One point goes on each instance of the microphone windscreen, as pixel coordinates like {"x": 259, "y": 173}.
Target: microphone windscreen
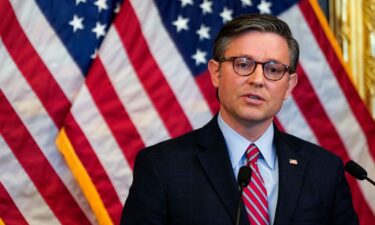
{"x": 355, "y": 170}
{"x": 244, "y": 176}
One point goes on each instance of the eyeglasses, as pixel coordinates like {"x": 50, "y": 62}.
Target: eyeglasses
{"x": 245, "y": 66}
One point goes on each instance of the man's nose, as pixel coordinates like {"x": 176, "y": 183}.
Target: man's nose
{"x": 257, "y": 77}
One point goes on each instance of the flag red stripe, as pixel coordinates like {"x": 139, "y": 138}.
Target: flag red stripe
{"x": 365, "y": 215}
{"x": 204, "y": 83}
{"x": 37, "y": 167}
{"x": 114, "y": 112}
{"x": 94, "y": 168}
{"x": 149, "y": 73}
{"x": 32, "y": 67}
{"x": 279, "y": 125}
{"x": 8, "y": 210}
{"x": 356, "y": 104}
{"x": 310, "y": 106}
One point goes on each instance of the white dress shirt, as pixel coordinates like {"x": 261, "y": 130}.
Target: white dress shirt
{"x": 267, "y": 162}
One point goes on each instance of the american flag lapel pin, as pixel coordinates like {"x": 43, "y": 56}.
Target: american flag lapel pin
{"x": 293, "y": 161}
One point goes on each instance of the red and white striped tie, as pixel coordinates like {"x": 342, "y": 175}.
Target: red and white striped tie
{"x": 255, "y": 194}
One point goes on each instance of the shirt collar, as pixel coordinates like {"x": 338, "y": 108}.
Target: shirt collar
{"x": 238, "y": 144}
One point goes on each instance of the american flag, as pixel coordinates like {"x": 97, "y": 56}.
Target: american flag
{"x": 73, "y": 115}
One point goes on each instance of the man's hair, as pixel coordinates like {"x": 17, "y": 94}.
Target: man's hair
{"x": 256, "y": 22}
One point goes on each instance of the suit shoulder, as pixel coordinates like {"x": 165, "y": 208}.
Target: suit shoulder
{"x": 309, "y": 149}
{"x": 177, "y": 144}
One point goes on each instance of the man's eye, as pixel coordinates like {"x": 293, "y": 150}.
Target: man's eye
{"x": 275, "y": 69}
{"x": 243, "y": 65}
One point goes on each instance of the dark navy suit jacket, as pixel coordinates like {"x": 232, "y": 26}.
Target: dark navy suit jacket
{"x": 189, "y": 180}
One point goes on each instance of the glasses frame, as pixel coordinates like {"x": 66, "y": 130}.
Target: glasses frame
{"x": 233, "y": 58}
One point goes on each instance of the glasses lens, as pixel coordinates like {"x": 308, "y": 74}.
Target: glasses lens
{"x": 274, "y": 70}
{"x": 243, "y": 66}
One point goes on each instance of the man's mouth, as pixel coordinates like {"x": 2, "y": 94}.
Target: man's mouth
{"x": 254, "y": 97}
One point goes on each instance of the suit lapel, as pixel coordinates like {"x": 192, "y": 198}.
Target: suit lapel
{"x": 217, "y": 166}
{"x": 291, "y": 171}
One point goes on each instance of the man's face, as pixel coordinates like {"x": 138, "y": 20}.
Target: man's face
{"x": 249, "y": 100}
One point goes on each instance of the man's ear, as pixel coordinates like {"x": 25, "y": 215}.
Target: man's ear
{"x": 214, "y": 69}
{"x": 292, "y": 83}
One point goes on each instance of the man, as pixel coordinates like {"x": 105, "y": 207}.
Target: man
{"x": 192, "y": 179}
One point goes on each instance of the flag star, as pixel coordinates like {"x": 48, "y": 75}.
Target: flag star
{"x": 102, "y": 4}
{"x": 79, "y": 1}
{"x": 206, "y": 6}
{"x": 186, "y": 2}
{"x": 226, "y": 14}
{"x": 199, "y": 57}
{"x": 246, "y": 3}
{"x": 203, "y": 32}
{"x": 117, "y": 8}
{"x": 95, "y": 54}
{"x": 181, "y": 23}
{"x": 76, "y": 23}
{"x": 265, "y": 7}
{"x": 99, "y": 29}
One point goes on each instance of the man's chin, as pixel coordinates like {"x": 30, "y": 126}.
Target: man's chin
{"x": 254, "y": 119}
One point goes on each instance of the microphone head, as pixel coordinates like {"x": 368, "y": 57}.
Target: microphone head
{"x": 244, "y": 176}
{"x": 355, "y": 170}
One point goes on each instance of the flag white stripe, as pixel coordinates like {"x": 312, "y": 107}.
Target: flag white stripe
{"x": 172, "y": 64}
{"x": 332, "y": 98}
{"x": 16, "y": 181}
{"x": 37, "y": 122}
{"x": 49, "y": 47}
{"x": 103, "y": 143}
{"x": 129, "y": 88}
{"x": 294, "y": 122}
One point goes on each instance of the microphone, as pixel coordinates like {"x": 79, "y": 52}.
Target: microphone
{"x": 357, "y": 171}
{"x": 243, "y": 180}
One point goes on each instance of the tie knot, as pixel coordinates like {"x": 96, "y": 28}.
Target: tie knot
{"x": 252, "y": 153}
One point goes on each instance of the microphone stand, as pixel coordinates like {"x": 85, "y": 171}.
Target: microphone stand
{"x": 244, "y": 176}
{"x": 239, "y": 207}
{"x": 371, "y": 181}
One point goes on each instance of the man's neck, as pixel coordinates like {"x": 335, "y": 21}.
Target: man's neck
{"x": 251, "y": 130}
